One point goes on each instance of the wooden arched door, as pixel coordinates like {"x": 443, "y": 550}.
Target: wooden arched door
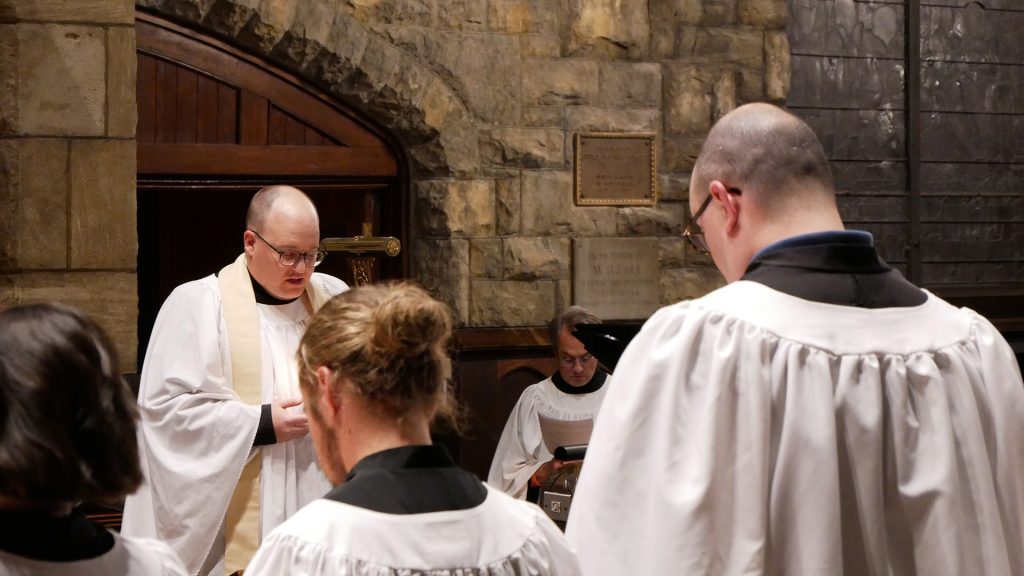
{"x": 215, "y": 125}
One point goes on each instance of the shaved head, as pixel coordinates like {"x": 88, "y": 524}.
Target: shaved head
{"x": 263, "y": 204}
{"x": 772, "y": 153}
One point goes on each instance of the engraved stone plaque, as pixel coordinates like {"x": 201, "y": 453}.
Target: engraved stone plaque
{"x": 615, "y": 169}
{"x": 616, "y": 278}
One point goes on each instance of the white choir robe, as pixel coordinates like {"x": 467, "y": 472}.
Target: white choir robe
{"x": 128, "y": 557}
{"x": 500, "y": 537}
{"x": 521, "y": 449}
{"x": 195, "y": 434}
{"x": 760, "y": 433}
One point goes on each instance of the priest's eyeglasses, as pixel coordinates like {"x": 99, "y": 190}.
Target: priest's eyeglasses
{"x": 291, "y": 257}
{"x": 696, "y": 235}
{"x": 570, "y": 361}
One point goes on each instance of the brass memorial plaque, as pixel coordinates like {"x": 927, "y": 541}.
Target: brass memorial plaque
{"x": 615, "y": 169}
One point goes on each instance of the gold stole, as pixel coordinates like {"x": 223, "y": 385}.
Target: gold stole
{"x": 242, "y": 522}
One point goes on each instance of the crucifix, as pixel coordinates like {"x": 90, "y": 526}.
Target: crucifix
{"x": 362, "y": 251}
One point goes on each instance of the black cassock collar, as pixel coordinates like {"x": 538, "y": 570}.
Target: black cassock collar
{"x": 410, "y": 480}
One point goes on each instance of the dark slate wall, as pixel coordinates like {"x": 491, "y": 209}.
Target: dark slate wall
{"x": 849, "y": 66}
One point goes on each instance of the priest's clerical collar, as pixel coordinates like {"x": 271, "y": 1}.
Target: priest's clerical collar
{"x": 593, "y": 386}
{"x": 850, "y": 237}
{"x": 264, "y": 297}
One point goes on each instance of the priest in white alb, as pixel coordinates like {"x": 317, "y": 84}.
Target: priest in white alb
{"x": 554, "y": 412}
{"x": 818, "y": 415}
{"x": 223, "y": 436}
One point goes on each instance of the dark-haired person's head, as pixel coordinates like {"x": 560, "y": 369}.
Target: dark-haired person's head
{"x": 761, "y": 176}
{"x": 67, "y": 417}
{"x": 377, "y": 352}
{"x": 575, "y": 364}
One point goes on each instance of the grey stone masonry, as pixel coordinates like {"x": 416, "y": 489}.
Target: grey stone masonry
{"x": 483, "y": 97}
{"x": 67, "y": 160}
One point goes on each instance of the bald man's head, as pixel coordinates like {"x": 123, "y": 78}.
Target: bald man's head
{"x": 263, "y": 204}
{"x": 281, "y": 220}
{"x": 764, "y": 149}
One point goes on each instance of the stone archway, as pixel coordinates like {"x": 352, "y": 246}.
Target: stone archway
{"x": 335, "y": 52}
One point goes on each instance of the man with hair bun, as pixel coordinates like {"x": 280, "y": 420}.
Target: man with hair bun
{"x": 818, "y": 415}
{"x": 224, "y": 439}
{"x": 67, "y": 435}
{"x": 375, "y": 372}
{"x": 524, "y": 457}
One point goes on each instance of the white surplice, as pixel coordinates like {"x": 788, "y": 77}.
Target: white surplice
{"x": 759, "y": 433}
{"x": 128, "y": 557}
{"x": 500, "y": 537}
{"x": 195, "y": 434}
{"x": 521, "y": 449}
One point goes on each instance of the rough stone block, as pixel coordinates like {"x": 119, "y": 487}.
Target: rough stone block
{"x": 507, "y": 201}
{"x": 61, "y": 71}
{"x": 777, "y": 66}
{"x": 665, "y": 219}
{"x": 373, "y": 72}
{"x": 548, "y": 208}
{"x": 39, "y": 215}
{"x": 122, "y": 113}
{"x": 563, "y": 297}
{"x": 751, "y": 84}
{"x": 688, "y": 283}
{"x": 91, "y": 11}
{"x": 8, "y": 79}
{"x": 523, "y": 147}
{"x": 226, "y": 18}
{"x": 688, "y": 102}
{"x": 540, "y": 46}
{"x": 513, "y": 16}
{"x": 463, "y": 208}
{"x": 763, "y": 13}
{"x": 537, "y": 258}
{"x": 680, "y": 152}
{"x": 672, "y": 251}
{"x": 103, "y": 232}
{"x": 484, "y": 70}
{"x": 718, "y": 12}
{"x": 592, "y": 119}
{"x": 608, "y": 28}
{"x": 509, "y": 303}
{"x": 666, "y": 16}
{"x": 8, "y": 204}
{"x": 310, "y": 31}
{"x": 109, "y": 298}
{"x": 743, "y": 46}
{"x": 344, "y": 49}
{"x": 442, "y": 267}
{"x": 673, "y": 187}
{"x": 538, "y": 116}
{"x": 415, "y": 12}
{"x": 561, "y": 82}
{"x": 463, "y": 14}
{"x": 485, "y": 258}
{"x": 630, "y": 84}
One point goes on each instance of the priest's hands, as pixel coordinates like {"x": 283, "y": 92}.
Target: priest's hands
{"x": 288, "y": 425}
{"x": 546, "y": 469}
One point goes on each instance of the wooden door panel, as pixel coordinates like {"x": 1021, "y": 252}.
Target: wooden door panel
{"x": 216, "y": 125}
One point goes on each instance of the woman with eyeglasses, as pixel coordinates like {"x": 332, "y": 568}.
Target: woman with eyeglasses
{"x": 375, "y": 372}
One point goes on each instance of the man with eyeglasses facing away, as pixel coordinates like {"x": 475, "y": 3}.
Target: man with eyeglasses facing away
{"x": 564, "y": 405}
{"x": 817, "y": 415}
{"x": 223, "y": 436}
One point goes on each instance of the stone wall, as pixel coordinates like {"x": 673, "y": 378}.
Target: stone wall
{"x": 484, "y": 95}
{"x": 67, "y": 159}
